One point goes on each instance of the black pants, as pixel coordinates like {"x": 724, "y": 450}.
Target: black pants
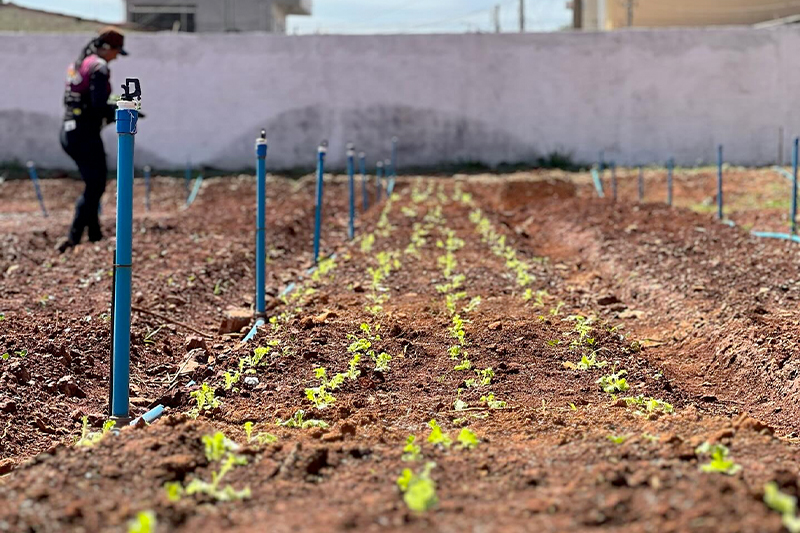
{"x": 85, "y": 147}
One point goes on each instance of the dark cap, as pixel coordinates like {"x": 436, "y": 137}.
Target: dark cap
{"x": 113, "y": 38}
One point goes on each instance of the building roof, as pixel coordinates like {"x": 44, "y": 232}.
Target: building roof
{"x": 18, "y": 18}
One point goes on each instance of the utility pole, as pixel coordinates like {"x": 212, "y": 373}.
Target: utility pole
{"x": 630, "y": 5}
{"x": 496, "y": 17}
{"x": 522, "y": 16}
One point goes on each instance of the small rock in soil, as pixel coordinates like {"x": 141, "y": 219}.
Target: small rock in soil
{"x": 67, "y": 386}
{"x": 496, "y": 326}
{"x": 194, "y": 343}
{"x": 251, "y": 381}
{"x": 324, "y": 317}
{"x": 8, "y": 406}
{"x": 20, "y": 372}
{"x": 6, "y": 466}
{"x": 235, "y": 320}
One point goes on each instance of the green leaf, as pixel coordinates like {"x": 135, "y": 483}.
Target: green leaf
{"x": 145, "y": 522}
{"x": 437, "y": 436}
{"x": 467, "y": 439}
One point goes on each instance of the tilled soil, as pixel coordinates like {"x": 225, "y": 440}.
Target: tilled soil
{"x": 697, "y": 314}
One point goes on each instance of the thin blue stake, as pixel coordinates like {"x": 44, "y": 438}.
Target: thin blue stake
{"x": 362, "y": 163}
{"x": 720, "y": 203}
{"x": 378, "y": 181}
{"x": 795, "y": 157}
{"x": 641, "y": 185}
{"x": 614, "y": 180}
{"x": 387, "y": 169}
{"x": 126, "y": 118}
{"x": 35, "y": 179}
{"x": 670, "y": 169}
{"x": 351, "y": 170}
{"x": 147, "y": 172}
{"x": 195, "y": 190}
{"x": 187, "y": 177}
{"x": 323, "y": 148}
{"x": 261, "y": 223}
{"x": 393, "y": 179}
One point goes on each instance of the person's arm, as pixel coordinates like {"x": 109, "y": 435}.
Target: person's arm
{"x": 99, "y": 92}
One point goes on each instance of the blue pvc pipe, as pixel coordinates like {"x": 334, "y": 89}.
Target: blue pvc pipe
{"x": 782, "y": 236}
{"x": 195, "y": 190}
{"x": 598, "y": 183}
{"x": 614, "y": 180}
{"x": 379, "y": 181}
{"x": 362, "y": 163}
{"x": 254, "y": 330}
{"x": 641, "y": 185}
{"x": 318, "y": 211}
{"x": 261, "y": 223}
{"x": 720, "y": 203}
{"x": 187, "y": 177}
{"x": 35, "y": 179}
{"x": 351, "y": 170}
{"x": 289, "y": 288}
{"x": 147, "y": 171}
{"x": 150, "y": 416}
{"x": 670, "y": 169}
{"x": 795, "y": 157}
{"x": 120, "y": 367}
{"x": 387, "y": 169}
{"x": 783, "y": 172}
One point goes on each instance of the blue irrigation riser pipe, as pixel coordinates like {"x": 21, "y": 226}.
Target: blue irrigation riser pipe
{"x": 614, "y": 180}
{"x": 378, "y": 181}
{"x": 195, "y": 190}
{"x": 392, "y": 181}
{"x": 670, "y": 170}
{"x": 187, "y": 177}
{"x": 35, "y": 179}
{"x": 720, "y": 203}
{"x": 126, "y": 119}
{"x": 261, "y": 223}
{"x": 321, "y": 151}
{"x": 795, "y": 157}
{"x": 362, "y": 163}
{"x": 351, "y": 170}
{"x": 598, "y": 183}
{"x": 641, "y": 185}
{"x": 147, "y": 171}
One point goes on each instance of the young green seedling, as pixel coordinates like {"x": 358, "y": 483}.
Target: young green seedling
{"x": 719, "y": 459}
{"x": 419, "y": 490}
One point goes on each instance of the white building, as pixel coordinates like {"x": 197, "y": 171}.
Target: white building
{"x": 215, "y": 15}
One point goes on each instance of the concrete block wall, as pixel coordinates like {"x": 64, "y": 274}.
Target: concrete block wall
{"x": 639, "y": 96}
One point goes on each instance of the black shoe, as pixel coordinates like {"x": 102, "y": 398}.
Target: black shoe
{"x": 65, "y": 244}
{"x": 95, "y": 236}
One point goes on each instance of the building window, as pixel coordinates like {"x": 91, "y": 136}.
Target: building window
{"x": 169, "y": 18}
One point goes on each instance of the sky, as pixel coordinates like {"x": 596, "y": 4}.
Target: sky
{"x": 372, "y": 16}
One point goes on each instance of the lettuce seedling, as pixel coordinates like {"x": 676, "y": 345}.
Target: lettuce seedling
{"x": 784, "y": 504}
{"x": 719, "y": 459}
{"x": 463, "y": 365}
{"x": 437, "y": 436}
{"x": 419, "y": 490}
{"x": 617, "y": 439}
{"x": 485, "y": 376}
{"x": 490, "y": 401}
{"x": 613, "y": 383}
{"x": 90, "y": 438}
{"x": 467, "y": 439}
{"x": 298, "y": 421}
{"x": 206, "y": 400}
{"x": 411, "y": 451}
{"x": 145, "y": 522}
{"x": 648, "y": 405}
{"x": 231, "y": 380}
